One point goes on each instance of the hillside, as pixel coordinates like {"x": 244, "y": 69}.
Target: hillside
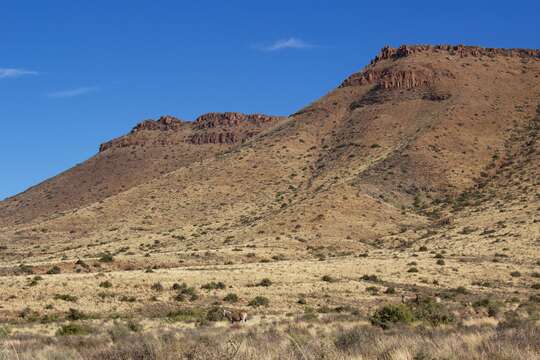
{"x": 419, "y": 123}
{"x": 429, "y": 152}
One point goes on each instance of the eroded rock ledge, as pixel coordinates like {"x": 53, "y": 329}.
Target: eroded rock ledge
{"x": 210, "y": 128}
{"x": 461, "y": 50}
{"x": 408, "y": 77}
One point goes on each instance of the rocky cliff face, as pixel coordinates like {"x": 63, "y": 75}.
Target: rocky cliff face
{"x": 210, "y": 128}
{"x": 398, "y": 79}
{"x": 394, "y": 77}
{"x": 229, "y": 127}
{"x": 164, "y": 123}
{"x": 231, "y": 119}
{"x": 460, "y": 50}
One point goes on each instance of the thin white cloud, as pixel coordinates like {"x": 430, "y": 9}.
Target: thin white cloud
{"x": 14, "y": 73}
{"x": 73, "y": 92}
{"x": 290, "y": 43}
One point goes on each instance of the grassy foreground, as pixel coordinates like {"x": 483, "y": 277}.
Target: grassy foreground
{"x": 331, "y": 337}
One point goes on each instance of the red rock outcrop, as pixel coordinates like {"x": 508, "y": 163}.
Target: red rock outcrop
{"x": 229, "y": 127}
{"x": 211, "y": 128}
{"x": 231, "y": 119}
{"x": 397, "y": 79}
{"x": 461, "y": 50}
{"x": 164, "y": 123}
{"x": 392, "y": 78}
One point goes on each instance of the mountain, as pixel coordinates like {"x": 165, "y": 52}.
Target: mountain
{"x": 422, "y": 142}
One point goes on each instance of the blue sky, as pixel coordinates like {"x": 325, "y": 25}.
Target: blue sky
{"x": 74, "y": 74}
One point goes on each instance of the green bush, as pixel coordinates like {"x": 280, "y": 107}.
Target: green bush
{"x": 492, "y": 306}
{"x": 259, "y": 301}
{"x": 389, "y": 315}
{"x": 390, "y": 290}
{"x": 432, "y": 312}
{"x": 73, "y": 329}
{"x": 373, "y": 290}
{"x": 231, "y": 298}
{"x": 105, "y": 284}
{"x": 215, "y": 314}
{"x": 187, "y": 315}
{"x": 213, "y": 286}
{"x": 372, "y": 278}
{"x": 185, "y": 292}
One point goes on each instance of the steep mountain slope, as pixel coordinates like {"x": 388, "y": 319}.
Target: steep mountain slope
{"x": 386, "y": 154}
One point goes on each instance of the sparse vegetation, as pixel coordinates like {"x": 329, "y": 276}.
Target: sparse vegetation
{"x": 259, "y": 301}
{"x": 214, "y": 286}
{"x": 231, "y": 298}
{"x": 55, "y": 270}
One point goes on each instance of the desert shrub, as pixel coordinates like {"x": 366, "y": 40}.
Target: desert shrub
{"x": 490, "y": 305}
{"x": 105, "y": 284}
{"x": 185, "y": 292}
{"x": 328, "y": 278}
{"x": 259, "y": 301}
{"x": 423, "y": 248}
{"x": 125, "y": 298}
{"x": 186, "y": 315}
{"x": 29, "y": 314}
{"x": 75, "y": 314}
{"x": 432, "y": 312}
{"x": 231, "y": 298}
{"x": 55, "y": 270}
{"x": 265, "y": 282}
{"x": 412, "y": 270}
{"x": 302, "y": 301}
{"x": 134, "y": 326}
{"x": 176, "y": 286}
{"x": 390, "y": 290}
{"x": 373, "y": 290}
{"x": 515, "y": 274}
{"x": 65, "y": 297}
{"x": 35, "y": 280}
{"x": 49, "y": 318}
{"x": 372, "y": 278}
{"x": 389, "y": 315}
{"x": 215, "y": 314}
{"x": 440, "y": 262}
{"x": 157, "y": 286}
{"x": 213, "y": 286}
{"x": 73, "y": 329}
{"x": 439, "y": 256}
{"x": 535, "y": 286}
{"x": 279, "y": 257}
{"x": 106, "y": 258}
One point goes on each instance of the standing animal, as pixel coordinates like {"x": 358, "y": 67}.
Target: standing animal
{"x": 235, "y": 316}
